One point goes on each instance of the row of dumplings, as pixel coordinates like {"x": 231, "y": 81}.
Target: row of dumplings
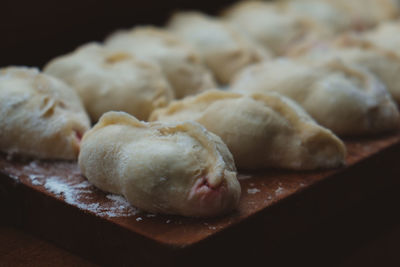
{"x": 291, "y": 86}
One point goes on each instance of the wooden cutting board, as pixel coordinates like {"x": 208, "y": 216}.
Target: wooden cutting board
{"x": 51, "y": 199}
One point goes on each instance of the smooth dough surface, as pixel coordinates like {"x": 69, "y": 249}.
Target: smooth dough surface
{"x": 327, "y": 15}
{"x": 384, "y": 64}
{"x": 181, "y": 64}
{"x": 172, "y": 168}
{"x": 112, "y": 80}
{"x": 386, "y": 35}
{"x": 367, "y": 13}
{"x": 342, "y": 97}
{"x": 270, "y": 26}
{"x": 224, "y": 50}
{"x": 261, "y": 130}
{"x": 40, "y": 116}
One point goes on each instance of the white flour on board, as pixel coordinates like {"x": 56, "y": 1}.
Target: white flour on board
{"x": 253, "y": 190}
{"x": 79, "y": 194}
{"x": 279, "y": 190}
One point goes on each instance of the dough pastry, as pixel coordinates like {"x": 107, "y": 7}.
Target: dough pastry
{"x": 386, "y": 35}
{"x": 109, "y": 80}
{"x": 261, "y": 130}
{"x": 180, "y": 63}
{"x": 172, "y": 168}
{"x": 384, "y": 64}
{"x": 327, "y": 15}
{"x": 342, "y": 97}
{"x": 271, "y": 27}
{"x": 367, "y": 13}
{"x": 40, "y": 116}
{"x": 224, "y": 50}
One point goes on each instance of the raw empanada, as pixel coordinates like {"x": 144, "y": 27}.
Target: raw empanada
{"x": 180, "y": 62}
{"x": 109, "y": 80}
{"x": 224, "y": 50}
{"x": 367, "y": 13}
{"x": 327, "y": 15}
{"x": 386, "y": 35}
{"x": 384, "y": 64}
{"x": 172, "y": 168}
{"x": 40, "y": 116}
{"x": 342, "y": 97}
{"x": 271, "y": 27}
{"x": 261, "y": 130}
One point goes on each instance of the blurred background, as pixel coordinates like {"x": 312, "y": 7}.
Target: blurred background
{"x": 32, "y": 32}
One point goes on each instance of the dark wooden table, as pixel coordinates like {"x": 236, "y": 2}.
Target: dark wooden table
{"x": 22, "y": 249}
{"x": 366, "y": 235}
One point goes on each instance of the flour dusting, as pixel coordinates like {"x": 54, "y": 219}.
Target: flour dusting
{"x": 73, "y": 189}
{"x": 253, "y": 191}
{"x": 53, "y": 185}
{"x": 81, "y": 196}
{"x": 279, "y": 190}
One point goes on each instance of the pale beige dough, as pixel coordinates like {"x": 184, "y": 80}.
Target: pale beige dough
{"x": 112, "y": 80}
{"x": 224, "y": 50}
{"x": 354, "y": 50}
{"x": 344, "y": 98}
{"x": 40, "y": 116}
{"x": 171, "y": 168}
{"x": 179, "y": 61}
{"x": 271, "y": 27}
{"x": 367, "y": 13}
{"x": 325, "y": 14}
{"x": 261, "y": 130}
{"x": 386, "y": 36}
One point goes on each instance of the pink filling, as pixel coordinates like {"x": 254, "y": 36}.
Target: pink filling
{"x": 208, "y": 195}
{"x": 78, "y": 135}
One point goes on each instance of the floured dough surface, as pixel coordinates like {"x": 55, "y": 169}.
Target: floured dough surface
{"x": 330, "y": 17}
{"x": 270, "y": 26}
{"x": 172, "y": 168}
{"x": 224, "y": 49}
{"x": 383, "y": 63}
{"x": 261, "y": 130}
{"x": 386, "y": 35}
{"x": 181, "y": 64}
{"x": 344, "y": 98}
{"x": 367, "y": 13}
{"x": 112, "y": 80}
{"x": 40, "y": 116}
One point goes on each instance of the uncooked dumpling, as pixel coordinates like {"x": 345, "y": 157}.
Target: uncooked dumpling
{"x": 40, "y": 116}
{"x": 327, "y": 15}
{"x": 382, "y": 63}
{"x": 224, "y": 50}
{"x": 172, "y": 168}
{"x": 271, "y": 27}
{"x": 182, "y": 66}
{"x": 367, "y": 13}
{"x": 111, "y": 80}
{"x": 261, "y": 130}
{"x": 108, "y": 80}
{"x": 342, "y": 97}
{"x": 386, "y": 35}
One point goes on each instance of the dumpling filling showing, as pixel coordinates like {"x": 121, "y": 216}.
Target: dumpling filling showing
{"x": 40, "y": 116}
{"x": 170, "y": 168}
